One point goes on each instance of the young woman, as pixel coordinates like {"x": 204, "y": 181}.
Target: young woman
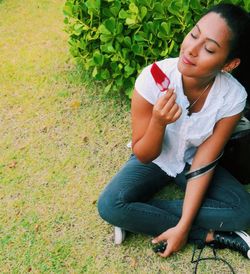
{"x": 184, "y": 129}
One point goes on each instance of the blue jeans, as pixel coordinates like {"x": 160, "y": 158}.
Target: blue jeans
{"x": 127, "y": 202}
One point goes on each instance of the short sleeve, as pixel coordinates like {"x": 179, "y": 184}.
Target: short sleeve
{"x": 146, "y": 86}
{"x": 235, "y": 109}
{"x": 235, "y": 99}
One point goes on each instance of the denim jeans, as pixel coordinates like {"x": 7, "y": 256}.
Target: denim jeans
{"x": 128, "y": 202}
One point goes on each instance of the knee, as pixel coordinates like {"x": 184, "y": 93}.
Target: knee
{"x": 243, "y": 219}
{"x": 103, "y": 206}
{"x": 246, "y": 207}
{"x": 109, "y": 207}
{"x": 246, "y": 216}
{"x": 242, "y": 216}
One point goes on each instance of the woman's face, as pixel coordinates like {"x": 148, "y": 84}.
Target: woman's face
{"x": 205, "y": 49}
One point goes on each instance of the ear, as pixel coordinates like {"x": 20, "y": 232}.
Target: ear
{"x": 231, "y": 65}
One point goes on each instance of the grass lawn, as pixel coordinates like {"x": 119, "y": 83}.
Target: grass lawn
{"x": 60, "y": 144}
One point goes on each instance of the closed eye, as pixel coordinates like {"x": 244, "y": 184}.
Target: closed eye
{"x": 193, "y": 36}
{"x": 209, "y": 51}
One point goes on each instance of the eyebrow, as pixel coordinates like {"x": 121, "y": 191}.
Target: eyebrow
{"x": 210, "y": 39}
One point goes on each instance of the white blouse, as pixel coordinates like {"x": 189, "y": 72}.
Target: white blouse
{"x": 227, "y": 97}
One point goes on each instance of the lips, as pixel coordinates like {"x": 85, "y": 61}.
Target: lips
{"x": 186, "y": 61}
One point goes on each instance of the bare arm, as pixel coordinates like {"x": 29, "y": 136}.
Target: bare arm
{"x": 206, "y": 153}
{"x": 196, "y": 188}
{"x": 149, "y": 123}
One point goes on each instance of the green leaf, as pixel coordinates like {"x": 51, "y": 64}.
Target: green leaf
{"x": 129, "y": 86}
{"x": 93, "y": 6}
{"x": 164, "y": 53}
{"x": 131, "y": 21}
{"x": 137, "y": 49}
{"x": 125, "y": 53}
{"x": 165, "y": 27}
{"x": 172, "y": 44}
{"x": 175, "y": 8}
{"x": 144, "y": 12}
{"x": 110, "y": 24}
{"x": 68, "y": 9}
{"x": 119, "y": 28}
{"x": 78, "y": 29}
{"x": 107, "y": 48}
{"x": 133, "y": 8}
{"x": 140, "y": 36}
{"x": 155, "y": 52}
{"x": 104, "y": 74}
{"x": 152, "y": 27}
{"x": 102, "y": 29}
{"x": 94, "y": 72}
{"x": 128, "y": 71}
{"x": 66, "y": 20}
{"x": 82, "y": 45}
{"x": 91, "y": 35}
{"x": 159, "y": 9}
{"x": 247, "y": 5}
{"x": 106, "y": 38}
{"x": 108, "y": 88}
{"x": 115, "y": 8}
{"x": 195, "y": 4}
{"x": 123, "y": 14}
{"x": 119, "y": 38}
{"x": 127, "y": 41}
{"x": 98, "y": 58}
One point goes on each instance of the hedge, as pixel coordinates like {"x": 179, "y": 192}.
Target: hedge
{"x": 114, "y": 39}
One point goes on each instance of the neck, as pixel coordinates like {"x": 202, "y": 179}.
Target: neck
{"x": 196, "y": 84}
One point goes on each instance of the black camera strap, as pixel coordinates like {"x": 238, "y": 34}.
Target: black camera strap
{"x": 201, "y": 171}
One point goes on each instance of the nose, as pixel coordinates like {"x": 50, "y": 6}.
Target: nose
{"x": 194, "y": 48}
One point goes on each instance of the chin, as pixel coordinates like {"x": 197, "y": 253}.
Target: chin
{"x": 183, "y": 70}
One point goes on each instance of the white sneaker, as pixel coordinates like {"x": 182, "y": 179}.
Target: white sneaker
{"x": 119, "y": 235}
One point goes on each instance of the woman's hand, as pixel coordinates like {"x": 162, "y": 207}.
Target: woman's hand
{"x": 166, "y": 110}
{"x": 175, "y": 238}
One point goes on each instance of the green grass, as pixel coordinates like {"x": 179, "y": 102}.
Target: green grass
{"x": 61, "y": 142}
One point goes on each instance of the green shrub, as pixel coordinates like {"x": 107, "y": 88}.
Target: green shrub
{"x": 114, "y": 39}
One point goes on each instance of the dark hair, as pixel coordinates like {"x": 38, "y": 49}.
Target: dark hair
{"x": 238, "y": 20}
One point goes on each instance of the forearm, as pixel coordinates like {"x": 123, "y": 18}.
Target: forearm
{"x": 194, "y": 195}
{"x": 149, "y": 123}
{"x": 197, "y": 187}
{"x": 206, "y": 153}
{"x": 150, "y": 145}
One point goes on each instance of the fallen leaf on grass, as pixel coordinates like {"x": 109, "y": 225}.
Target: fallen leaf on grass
{"x": 85, "y": 139}
{"x": 75, "y": 104}
{"x": 12, "y": 165}
{"x": 37, "y": 227}
{"x": 44, "y": 130}
{"x": 133, "y": 262}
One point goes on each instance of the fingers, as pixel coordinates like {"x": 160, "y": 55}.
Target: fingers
{"x": 163, "y": 238}
{"x": 167, "y": 252}
{"x": 168, "y": 98}
{"x": 174, "y": 238}
{"x": 177, "y": 113}
{"x": 164, "y": 249}
{"x": 171, "y": 247}
{"x": 160, "y": 238}
{"x": 167, "y": 108}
